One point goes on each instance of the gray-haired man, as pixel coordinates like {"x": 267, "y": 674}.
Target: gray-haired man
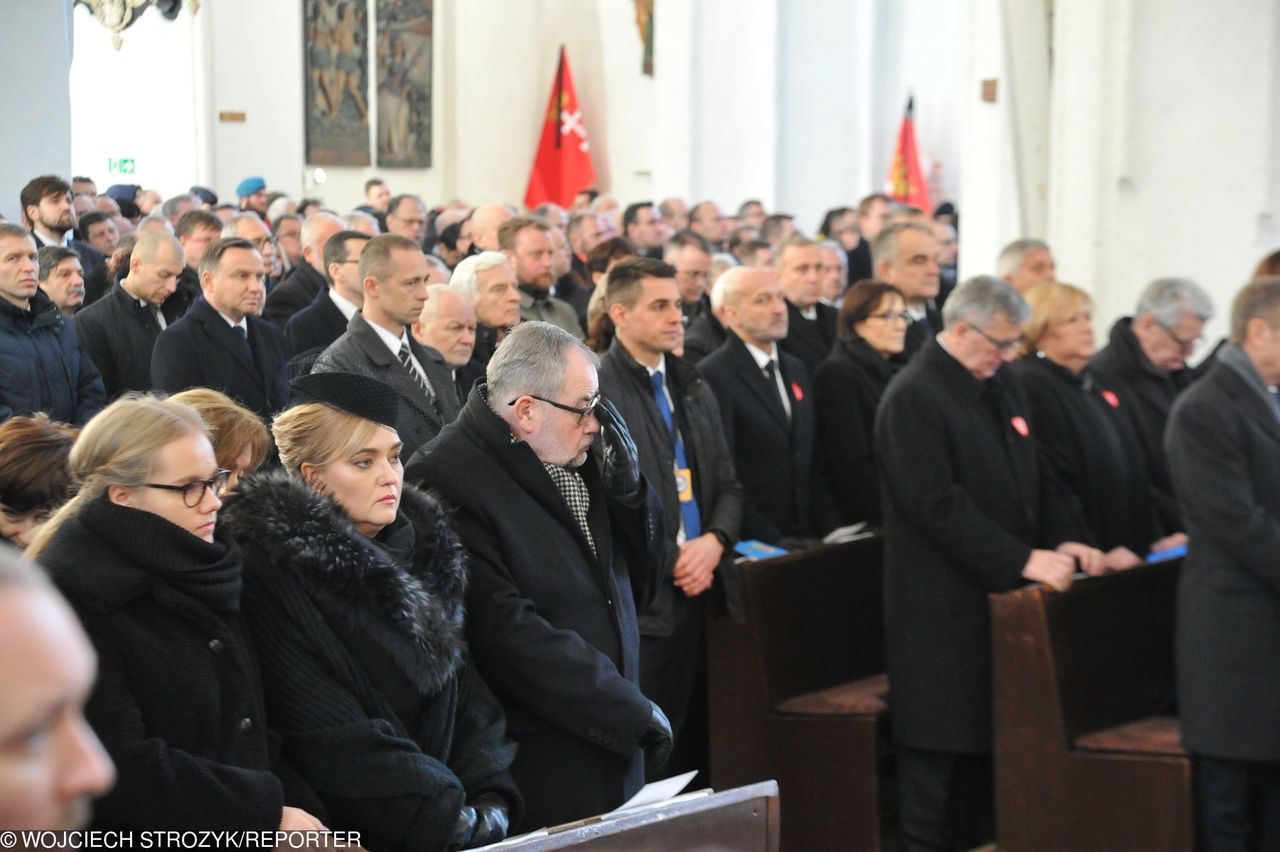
{"x": 563, "y": 541}
{"x": 966, "y": 514}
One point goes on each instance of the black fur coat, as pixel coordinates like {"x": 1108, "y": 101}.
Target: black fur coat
{"x": 366, "y": 670}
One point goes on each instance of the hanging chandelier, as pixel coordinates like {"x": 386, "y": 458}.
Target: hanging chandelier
{"x": 119, "y": 15}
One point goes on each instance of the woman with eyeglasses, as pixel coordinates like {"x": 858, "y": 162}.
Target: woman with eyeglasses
{"x": 1081, "y": 430}
{"x": 178, "y": 701}
{"x": 847, "y": 386}
{"x": 354, "y": 594}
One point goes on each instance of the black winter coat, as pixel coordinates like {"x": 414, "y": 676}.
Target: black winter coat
{"x": 297, "y": 290}
{"x": 202, "y": 350}
{"x": 846, "y": 392}
{"x": 1087, "y": 444}
{"x": 119, "y": 334}
{"x": 772, "y": 455}
{"x": 366, "y": 671}
{"x": 42, "y": 367}
{"x": 625, "y": 383}
{"x": 963, "y": 508}
{"x": 316, "y": 326}
{"x": 1223, "y": 446}
{"x": 178, "y": 700}
{"x": 552, "y": 626}
{"x": 810, "y": 340}
{"x": 1147, "y": 395}
{"x": 704, "y": 335}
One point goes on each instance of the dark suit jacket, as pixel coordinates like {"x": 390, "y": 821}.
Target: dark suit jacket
{"x": 810, "y": 340}
{"x": 186, "y": 294}
{"x": 569, "y": 288}
{"x": 1223, "y": 445}
{"x": 625, "y": 383}
{"x": 294, "y": 293}
{"x": 550, "y": 622}
{"x": 201, "y": 350}
{"x": 963, "y": 508}
{"x": 361, "y": 350}
{"x": 860, "y": 262}
{"x": 316, "y": 326}
{"x": 119, "y": 334}
{"x": 920, "y": 333}
{"x": 773, "y": 456}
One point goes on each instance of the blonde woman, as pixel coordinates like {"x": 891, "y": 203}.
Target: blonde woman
{"x": 138, "y": 553}
{"x": 1081, "y": 429}
{"x": 354, "y": 592}
{"x": 240, "y": 441}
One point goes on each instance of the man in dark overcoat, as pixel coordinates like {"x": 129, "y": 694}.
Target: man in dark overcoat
{"x": 222, "y": 343}
{"x": 1145, "y": 364}
{"x": 1223, "y": 446}
{"x": 966, "y": 514}
{"x": 560, "y": 553}
{"x": 673, "y": 416}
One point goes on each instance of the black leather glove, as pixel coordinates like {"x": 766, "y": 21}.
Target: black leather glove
{"x": 657, "y": 738}
{"x": 492, "y": 819}
{"x": 621, "y": 459}
{"x": 464, "y": 829}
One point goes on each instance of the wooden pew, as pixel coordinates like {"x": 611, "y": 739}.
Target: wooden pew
{"x": 1087, "y": 753}
{"x": 797, "y": 690}
{"x": 744, "y": 819}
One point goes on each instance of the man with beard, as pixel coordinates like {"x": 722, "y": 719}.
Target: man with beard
{"x": 766, "y": 408}
{"x": 563, "y": 542}
{"x": 527, "y": 243}
{"x": 47, "y": 213}
{"x": 222, "y": 343}
{"x": 488, "y": 282}
{"x": 252, "y": 192}
{"x": 52, "y": 765}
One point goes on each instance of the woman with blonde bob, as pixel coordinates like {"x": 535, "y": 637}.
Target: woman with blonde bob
{"x": 1081, "y": 430}
{"x": 240, "y": 441}
{"x": 139, "y": 554}
{"x": 354, "y": 593}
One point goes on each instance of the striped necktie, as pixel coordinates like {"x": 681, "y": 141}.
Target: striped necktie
{"x": 406, "y": 358}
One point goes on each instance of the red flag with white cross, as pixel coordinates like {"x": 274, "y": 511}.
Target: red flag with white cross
{"x": 563, "y": 166}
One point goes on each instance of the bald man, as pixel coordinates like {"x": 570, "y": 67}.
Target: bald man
{"x": 485, "y": 223}
{"x": 448, "y": 324}
{"x": 119, "y": 330}
{"x": 52, "y": 766}
{"x": 307, "y": 280}
{"x": 766, "y": 407}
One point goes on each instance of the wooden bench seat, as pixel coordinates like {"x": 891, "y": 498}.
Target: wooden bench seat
{"x": 1152, "y": 735}
{"x": 866, "y": 696}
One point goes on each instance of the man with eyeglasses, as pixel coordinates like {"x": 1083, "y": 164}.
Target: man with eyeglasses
{"x": 394, "y": 274}
{"x": 307, "y": 280}
{"x": 222, "y": 343}
{"x": 564, "y": 541}
{"x": 1145, "y": 365}
{"x": 407, "y": 217}
{"x": 968, "y": 511}
{"x": 250, "y": 226}
{"x": 323, "y": 321}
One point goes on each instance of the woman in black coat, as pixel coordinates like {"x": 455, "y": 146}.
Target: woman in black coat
{"x": 847, "y": 387}
{"x": 1081, "y": 431}
{"x": 354, "y": 593}
{"x": 178, "y": 702}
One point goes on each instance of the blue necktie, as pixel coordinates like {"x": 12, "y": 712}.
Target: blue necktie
{"x": 688, "y": 508}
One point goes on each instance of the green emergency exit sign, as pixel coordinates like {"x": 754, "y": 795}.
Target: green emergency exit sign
{"x": 121, "y": 166}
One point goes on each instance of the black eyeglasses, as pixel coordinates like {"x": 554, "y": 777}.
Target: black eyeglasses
{"x": 582, "y": 413}
{"x": 1000, "y": 345}
{"x": 193, "y": 492}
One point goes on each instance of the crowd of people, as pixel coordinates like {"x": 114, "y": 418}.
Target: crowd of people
{"x": 408, "y": 521}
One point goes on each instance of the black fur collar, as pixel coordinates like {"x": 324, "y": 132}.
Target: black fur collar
{"x": 416, "y": 615}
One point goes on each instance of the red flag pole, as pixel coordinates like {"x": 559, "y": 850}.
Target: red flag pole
{"x": 559, "y": 92}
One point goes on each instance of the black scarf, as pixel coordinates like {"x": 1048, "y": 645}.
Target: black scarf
{"x": 207, "y": 572}
{"x": 396, "y": 540}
